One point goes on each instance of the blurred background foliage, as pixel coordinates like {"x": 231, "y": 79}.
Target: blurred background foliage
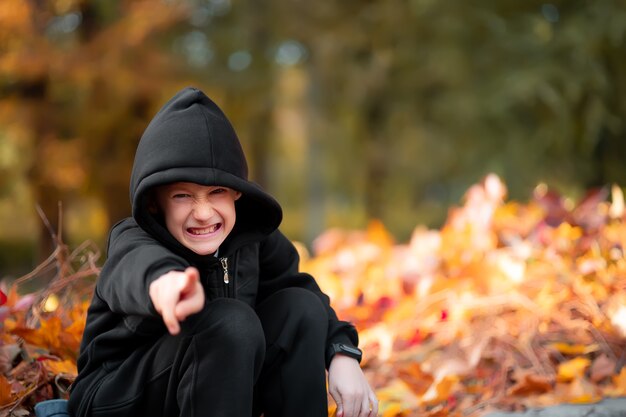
{"x": 347, "y": 110}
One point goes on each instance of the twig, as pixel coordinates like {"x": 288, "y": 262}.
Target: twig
{"x": 40, "y": 268}
{"x": 46, "y": 222}
{"x": 60, "y": 222}
{"x": 529, "y": 354}
{"x": 61, "y": 260}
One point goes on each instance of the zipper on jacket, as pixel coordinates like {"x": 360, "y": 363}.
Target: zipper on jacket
{"x": 224, "y": 262}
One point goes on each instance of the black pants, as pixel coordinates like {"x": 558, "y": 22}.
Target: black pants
{"x": 228, "y": 360}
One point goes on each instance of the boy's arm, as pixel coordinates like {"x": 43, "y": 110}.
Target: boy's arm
{"x": 279, "y": 263}
{"x": 135, "y": 260}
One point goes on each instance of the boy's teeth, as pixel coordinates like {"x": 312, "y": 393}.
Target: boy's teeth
{"x": 203, "y": 231}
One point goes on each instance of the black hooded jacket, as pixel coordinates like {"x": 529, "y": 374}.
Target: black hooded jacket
{"x": 190, "y": 140}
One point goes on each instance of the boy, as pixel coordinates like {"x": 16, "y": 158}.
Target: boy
{"x": 200, "y": 309}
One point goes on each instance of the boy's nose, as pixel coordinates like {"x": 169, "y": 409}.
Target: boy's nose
{"x": 203, "y": 211}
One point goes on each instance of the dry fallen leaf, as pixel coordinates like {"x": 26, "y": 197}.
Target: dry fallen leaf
{"x": 602, "y": 368}
{"x": 531, "y": 384}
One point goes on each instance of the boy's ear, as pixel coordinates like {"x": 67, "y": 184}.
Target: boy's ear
{"x": 237, "y": 195}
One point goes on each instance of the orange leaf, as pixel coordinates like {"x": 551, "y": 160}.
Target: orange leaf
{"x": 46, "y": 336}
{"x": 32, "y": 336}
{"x": 72, "y": 335}
{"x": 415, "y": 378}
{"x": 5, "y": 391}
{"x": 531, "y": 384}
{"x": 60, "y": 367}
{"x": 51, "y": 330}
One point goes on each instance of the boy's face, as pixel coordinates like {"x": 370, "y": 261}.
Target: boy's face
{"x": 198, "y": 216}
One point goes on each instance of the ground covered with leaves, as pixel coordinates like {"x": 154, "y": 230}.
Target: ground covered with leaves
{"x": 509, "y": 305}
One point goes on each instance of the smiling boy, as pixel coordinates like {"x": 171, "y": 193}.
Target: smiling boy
{"x": 200, "y": 309}
{"x": 199, "y": 217}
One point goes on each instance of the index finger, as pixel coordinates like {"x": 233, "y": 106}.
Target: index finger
{"x": 169, "y": 318}
{"x": 168, "y": 307}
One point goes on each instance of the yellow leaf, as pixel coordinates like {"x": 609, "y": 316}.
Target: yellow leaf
{"x": 569, "y": 349}
{"x": 574, "y": 368}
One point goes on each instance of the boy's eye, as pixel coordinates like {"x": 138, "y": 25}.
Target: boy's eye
{"x": 181, "y": 195}
{"x": 218, "y": 191}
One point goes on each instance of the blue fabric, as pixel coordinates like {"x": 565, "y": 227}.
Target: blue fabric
{"x": 51, "y": 408}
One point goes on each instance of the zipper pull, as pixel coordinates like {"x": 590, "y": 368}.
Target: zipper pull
{"x": 224, "y": 262}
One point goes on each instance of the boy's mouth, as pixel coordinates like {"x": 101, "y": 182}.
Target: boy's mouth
{"x": 199, "y": 231}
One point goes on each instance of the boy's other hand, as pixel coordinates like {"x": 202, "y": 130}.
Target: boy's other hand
{"x": 177, "y": 295}
{"x": 349, "y": 388}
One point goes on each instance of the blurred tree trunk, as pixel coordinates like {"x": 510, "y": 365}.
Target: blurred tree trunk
{"x": 375, "y": 110}
{"x": 609, "y": 155}
{"x": 259, "y": 151}
{"x": 609, "y": 152}
{"x": 376, "y": 164}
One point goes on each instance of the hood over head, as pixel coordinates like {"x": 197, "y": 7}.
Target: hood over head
{"x": 191, "y": 140}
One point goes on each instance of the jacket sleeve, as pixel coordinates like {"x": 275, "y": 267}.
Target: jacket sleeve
{"x": 279, "y": 263}
{"x": 134, "y": 260}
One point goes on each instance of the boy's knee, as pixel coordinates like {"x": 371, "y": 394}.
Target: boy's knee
{"x": 231, "y": 322}
{"x": 304, "y": 306}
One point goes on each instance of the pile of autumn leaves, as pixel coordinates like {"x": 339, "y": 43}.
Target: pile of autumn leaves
{"x": 507, "y": 306}
{"x": 41, "y": 331}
